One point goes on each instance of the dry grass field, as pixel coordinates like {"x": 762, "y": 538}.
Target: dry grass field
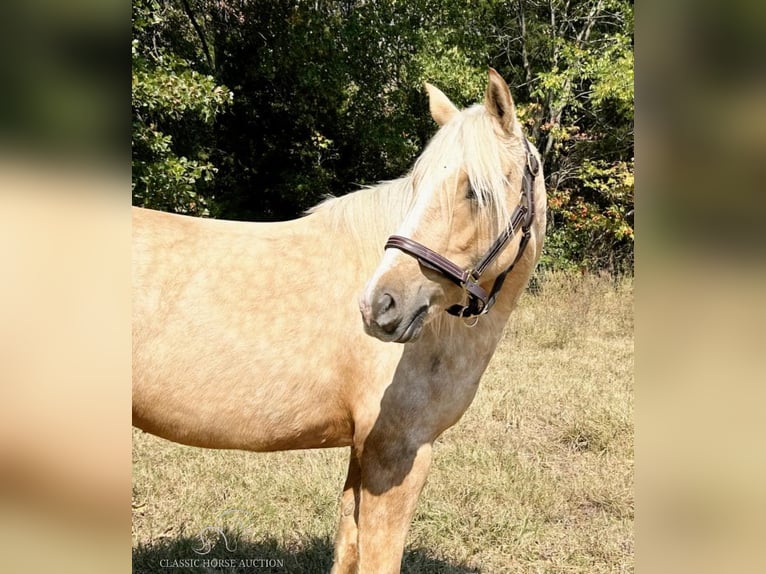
{"x": 536, "y": 478}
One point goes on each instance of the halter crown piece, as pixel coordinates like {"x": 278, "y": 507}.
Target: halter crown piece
{"x": 479, "y": 301}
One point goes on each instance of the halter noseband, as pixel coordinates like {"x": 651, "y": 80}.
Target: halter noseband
{"x": 479, "y": 301}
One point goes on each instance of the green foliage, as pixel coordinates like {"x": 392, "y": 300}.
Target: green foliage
{"x": 581, "y": 116}
{"x": 593, "y": 230}
{"x": 327, "y": 95}
{"x": 172, "y": 106}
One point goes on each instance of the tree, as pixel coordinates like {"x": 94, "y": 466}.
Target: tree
{"x": 173, "y": 109}
{"x": 577, "y": 64}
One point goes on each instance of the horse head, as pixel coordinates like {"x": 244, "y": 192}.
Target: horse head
{"x": 459, "y": 236}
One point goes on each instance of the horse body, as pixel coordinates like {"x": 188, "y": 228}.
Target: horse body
{"x": 248, "y": 336}
{"x": 232, "y": 350}
{"x": 235, "y": 339}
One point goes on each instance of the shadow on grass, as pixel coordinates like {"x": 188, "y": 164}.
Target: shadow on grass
{"x": 234, "y": 555}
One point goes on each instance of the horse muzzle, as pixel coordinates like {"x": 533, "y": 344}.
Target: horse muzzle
{"x": 387, "y": 318}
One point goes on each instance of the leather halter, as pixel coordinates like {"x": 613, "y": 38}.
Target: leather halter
{"x": 479, "y": 301}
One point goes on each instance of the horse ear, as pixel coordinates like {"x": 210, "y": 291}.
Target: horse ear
{"x": 499, "y": 102}
{"x": 441, "y": 108}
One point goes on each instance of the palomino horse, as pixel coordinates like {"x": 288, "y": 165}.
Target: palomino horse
{"x": 248, "y": 335}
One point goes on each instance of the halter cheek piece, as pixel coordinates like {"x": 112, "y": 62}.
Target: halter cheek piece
{"x": 479, "y": 301}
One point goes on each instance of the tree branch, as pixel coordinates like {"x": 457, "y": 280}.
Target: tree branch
{"x": 200, "y": 35}
{"x": 523, "y": 34}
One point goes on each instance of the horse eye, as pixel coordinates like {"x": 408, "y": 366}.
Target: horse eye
{"x": 470, "y": 193}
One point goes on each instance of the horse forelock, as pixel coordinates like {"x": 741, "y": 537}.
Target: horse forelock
{"x": 471, "y": 141}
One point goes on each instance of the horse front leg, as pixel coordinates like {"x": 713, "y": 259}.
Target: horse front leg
{"x": 346, "y": 550}
{"x": 393, "y": 474}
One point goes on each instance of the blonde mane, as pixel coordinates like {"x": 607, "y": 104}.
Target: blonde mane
{"x": 368, "y": 216}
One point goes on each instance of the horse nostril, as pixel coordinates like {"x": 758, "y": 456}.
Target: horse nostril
{"x": 383, "y": 304}
{"x": 383, "y": 310}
